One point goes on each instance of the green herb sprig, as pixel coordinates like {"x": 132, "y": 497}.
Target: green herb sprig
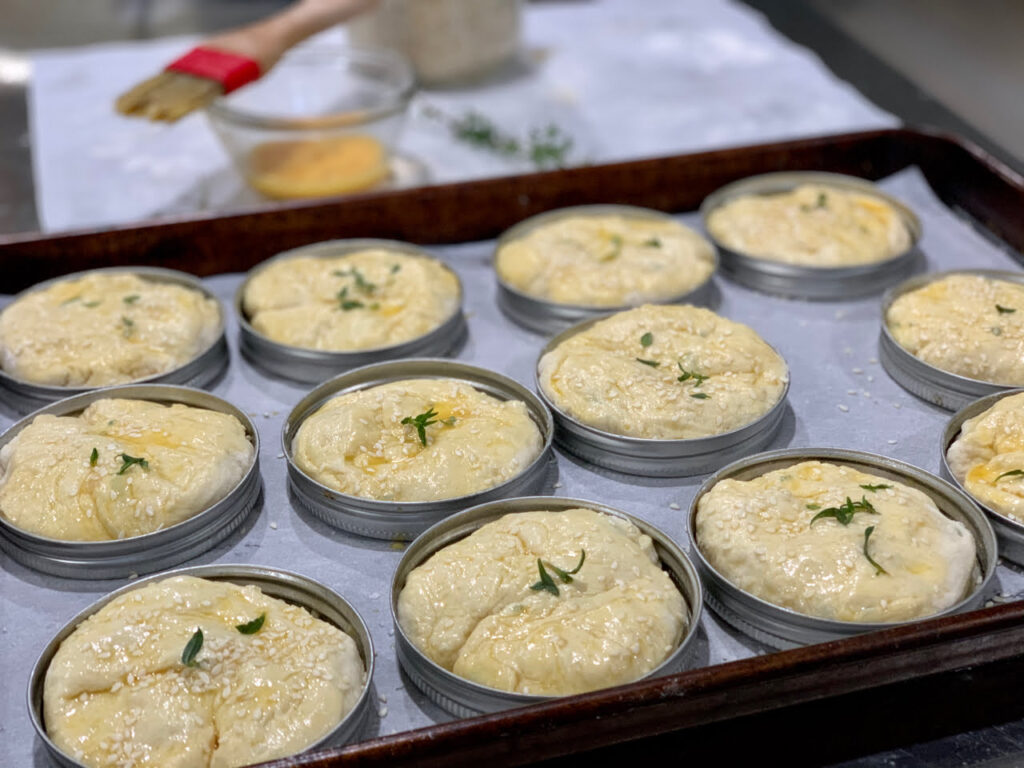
{"x": 129, "y": 325}
{"x": 1011, "y": 473}
{"x": 686, "y": 375}
{"x": 346, "y": 303}
{"x": 252, "y": 627}
{"x": 875, "y": 488}
{"x": 545, "y": 147}
{"x": 127, "y": 462}
{"x": 191, "y": 650}
{"x": 867, "y": 535}
{"x": 844, "y": 514}
{"x": 547, "y": 584}
{"x": 421, "y": 422}
{"x": 616, "y": 250}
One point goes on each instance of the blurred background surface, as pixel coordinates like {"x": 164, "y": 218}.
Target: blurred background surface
{"x": 944, "y": 63}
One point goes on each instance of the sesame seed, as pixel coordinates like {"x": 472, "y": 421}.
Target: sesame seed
{"x": 273, "y": 526}
{"x": 673, "y": 505}
{"x": 843, "y": 408}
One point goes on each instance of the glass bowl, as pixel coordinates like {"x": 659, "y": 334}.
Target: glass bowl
{"x": 323, "y": 122}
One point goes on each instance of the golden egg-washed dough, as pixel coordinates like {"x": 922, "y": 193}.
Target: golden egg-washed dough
{"x": 356, "y": 443}
{"x": 814, "y": 225}
{"x": 606, "y": 261}
{"x": 988, "y": 446}
{"x": 470, "y": 607}
{"x": 758, "y": 534}
{"x": 105, "y": 329}
{"x": 50, "y": 486}
{"x": 597, "y": 376}
{"x": 363, "y": 300}
{"x": 965, "y": 324}
{"x": 118, "y": 694}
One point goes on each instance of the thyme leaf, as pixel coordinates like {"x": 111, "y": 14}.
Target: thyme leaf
{"x": 566, "y": 576}
{"x": 647, "y": 339}
{"x": 128, "y": 323}
{"x": 421, "y": 422}
{"x": 94, "y": 457}
{"x": 700, "y": 395}
{"x": 813, "y": 506}
{"x": 1005, "y": 310}
{"x": 1011, "y": 473}
{"x": 651, "y": 363}
{"x": 252, "y": 627}
{"x": 874, "y": 488}
{"x": 546, "y": 583}
{"x": 363, "y": 285}
{"x": 616, "y": 241}
{"x": 131, "y": 299}
{"x": 845, "y": 512}
{"x": 867, "y": 535}
{"x": 92, "y": 304}
{"x": 129, "y": 461}
{"x": 191, "y": 650}
{"x": 698, "y": 378}
{"x": 652, "y": 243}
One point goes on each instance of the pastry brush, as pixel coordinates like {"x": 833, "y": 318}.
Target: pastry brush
{"x": 229, "y": 61}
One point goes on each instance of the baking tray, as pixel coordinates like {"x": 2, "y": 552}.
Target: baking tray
{"x": 954, "y": 673}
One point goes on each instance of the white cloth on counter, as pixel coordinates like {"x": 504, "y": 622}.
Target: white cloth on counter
{"x": 625, "y": 78}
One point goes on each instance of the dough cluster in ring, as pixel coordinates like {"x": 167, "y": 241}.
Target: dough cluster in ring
{"x": 363, "y": 300}
{"x": 814, "y": 225}
{"x": 104, "y": 329}
{"x": 606, "y": 261}
{"x": 761, "y": 535}
{"x": 358, "y": 444}
{"x": 965, "y": 324}
{"x": 118, "y": 693}
{"x": 987, "y": 457}
{"x": 470, "y": 607}
{"x": 65, "y": 477}
{"x": 664, "y": 372}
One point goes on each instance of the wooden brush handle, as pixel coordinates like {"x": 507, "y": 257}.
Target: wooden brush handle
{"x": 266, "y": 41}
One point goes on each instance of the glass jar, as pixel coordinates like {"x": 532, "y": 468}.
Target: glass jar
{"x": 447, "y": 41}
